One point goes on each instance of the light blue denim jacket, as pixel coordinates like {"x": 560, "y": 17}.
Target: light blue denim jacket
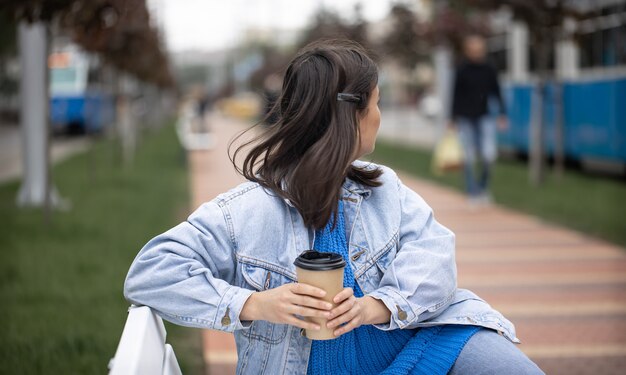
{"x": 200, "y": 272}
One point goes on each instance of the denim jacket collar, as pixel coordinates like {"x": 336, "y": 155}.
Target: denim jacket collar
{"x": 356, "y": 187}
{"x": 349, "y": 186}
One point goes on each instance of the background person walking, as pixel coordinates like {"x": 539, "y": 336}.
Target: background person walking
{"x": 476, "y": 82}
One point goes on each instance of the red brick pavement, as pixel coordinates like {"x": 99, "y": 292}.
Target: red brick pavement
{"x": 564, "y": 291}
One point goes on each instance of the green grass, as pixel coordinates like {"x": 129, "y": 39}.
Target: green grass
{"x": 62, "y": 309}
{"x": 591, "y": 204}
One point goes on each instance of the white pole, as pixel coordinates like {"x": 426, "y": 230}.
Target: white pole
{"x": 518, "y": 52}
{"x": 33, "y": 111}
{"x": 568, "y": 53}
{"x": 443, "y": 73}
{"x": 36, "y": 189}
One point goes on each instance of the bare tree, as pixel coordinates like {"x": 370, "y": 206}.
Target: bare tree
{"x": 329, "y": 24}
{"x": 118, "y": 30}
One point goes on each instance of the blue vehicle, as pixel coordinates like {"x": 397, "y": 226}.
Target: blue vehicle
{"x": 593, "y": 112}
{"x": 77, "y": 102}
{"x": 586, "y": 92}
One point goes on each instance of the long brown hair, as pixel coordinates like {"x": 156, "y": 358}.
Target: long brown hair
{"x": 306, "y": 155}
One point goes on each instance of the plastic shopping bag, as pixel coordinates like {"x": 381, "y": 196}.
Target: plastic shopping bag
{"x": 448, "y": 154}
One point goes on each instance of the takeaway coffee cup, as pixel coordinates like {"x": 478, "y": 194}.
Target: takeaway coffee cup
{"x": 325, "y": 271}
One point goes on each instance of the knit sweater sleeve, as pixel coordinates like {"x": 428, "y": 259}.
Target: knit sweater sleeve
{"x": 421, "y": 280}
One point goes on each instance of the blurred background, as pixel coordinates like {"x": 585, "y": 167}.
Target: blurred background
{"x": 101, "y": 102}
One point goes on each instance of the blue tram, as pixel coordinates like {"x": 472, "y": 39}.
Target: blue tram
{"x": 78, "y": 101}
{"x": 593, "y": 113}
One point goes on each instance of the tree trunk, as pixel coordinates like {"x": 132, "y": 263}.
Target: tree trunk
{"x": 36, "y": 189}
{"x": 126, "y": 121}
{"x": 536, "y": 159}
{"x": 559, "y": 141}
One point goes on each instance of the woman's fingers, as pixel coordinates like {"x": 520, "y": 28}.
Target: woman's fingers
{"x": 355, "y": 322}
{"x": 353, "y": 318}
{"x": 302, "y": 323}
{"x": 306, "y": 289}
{"x": 344, "y": 294}
{"x": 340, "y": 314}
{"x": 345, "y": 318}
{"x": 311, "y": 302}
{"x": 307, "y": 311}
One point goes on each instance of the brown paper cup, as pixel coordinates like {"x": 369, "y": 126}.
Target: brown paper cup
{"x": 325, "y": 271}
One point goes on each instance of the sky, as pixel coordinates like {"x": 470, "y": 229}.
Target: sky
{"x": 216, "y": 24}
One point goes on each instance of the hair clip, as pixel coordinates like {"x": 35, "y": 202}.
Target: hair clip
{"x": 345, "y": 97}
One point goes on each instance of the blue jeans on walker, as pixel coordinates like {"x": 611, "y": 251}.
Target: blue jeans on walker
{"x": 478, "y": 137}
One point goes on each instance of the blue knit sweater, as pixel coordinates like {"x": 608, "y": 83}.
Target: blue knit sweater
{"x": 369, "y": 350}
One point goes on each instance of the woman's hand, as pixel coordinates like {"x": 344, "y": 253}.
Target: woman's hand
{"x": 503, "y": 123}
{"x": 279, "y": 305}
{"x": 356, "y": 312}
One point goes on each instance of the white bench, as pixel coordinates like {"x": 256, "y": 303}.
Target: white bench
{"x": 189, "y": 139}
{"x": 142, "y": 348}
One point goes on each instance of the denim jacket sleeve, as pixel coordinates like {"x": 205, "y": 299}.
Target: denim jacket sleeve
{"x": 421, "y": 280}
{"x": 186, "y": 274}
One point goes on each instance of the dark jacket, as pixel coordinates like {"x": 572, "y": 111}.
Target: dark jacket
{"x": 474, "y": 83}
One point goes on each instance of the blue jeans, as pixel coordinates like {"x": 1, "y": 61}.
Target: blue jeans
{"x": 478, "y": 137}
{"x": 488, "y": 353}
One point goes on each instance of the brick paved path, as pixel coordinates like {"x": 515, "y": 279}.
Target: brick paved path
{"x": 564, "y": 291}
